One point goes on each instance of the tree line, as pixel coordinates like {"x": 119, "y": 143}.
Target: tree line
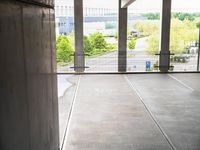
{"x": 174, "y": 15}
{"x": 182, "y": 33}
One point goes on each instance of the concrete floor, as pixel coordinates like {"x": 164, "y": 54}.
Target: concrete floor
{"x": 66, "y": 90}
{"x": 135, "y": 112}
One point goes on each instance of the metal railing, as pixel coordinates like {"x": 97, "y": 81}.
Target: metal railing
{"x": 137, "y": 61}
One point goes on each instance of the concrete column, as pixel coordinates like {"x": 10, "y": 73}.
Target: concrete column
{"x": 79, "y": 58}
{"x": 164, "y": 63}
{"x": 28, "y": 81}
{"x": 122, "y": 38}
{"x": 198, "y": 59}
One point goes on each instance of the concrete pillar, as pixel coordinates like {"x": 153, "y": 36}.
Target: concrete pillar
{"x": 28, "y": 82}
{"x": 79, "y": 58}
{"x": 122, "y": 38}
{"x": 198, "y": 59}
{"x": 164, "y": 63}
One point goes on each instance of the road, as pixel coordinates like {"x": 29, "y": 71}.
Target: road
{"x": 136, "y": 60}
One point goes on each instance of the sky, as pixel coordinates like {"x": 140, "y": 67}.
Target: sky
{"x": 148, "y": 5}
{"x": 140, "y": 6}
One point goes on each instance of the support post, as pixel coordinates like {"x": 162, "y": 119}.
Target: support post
{"x": 122, "y": 38}
{"x": 164, "y": 63}
{"x": 198, "y": 60}
{"x": 79, "y": 58}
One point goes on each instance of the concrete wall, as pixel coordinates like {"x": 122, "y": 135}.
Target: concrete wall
{"x": 28, "y": 85}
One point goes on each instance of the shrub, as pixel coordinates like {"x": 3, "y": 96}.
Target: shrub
{"x": 64, "y": 50}
{"x": 88, "y": 48}
{"x": 98, "y": 41}
{"x": 132, "y": 43}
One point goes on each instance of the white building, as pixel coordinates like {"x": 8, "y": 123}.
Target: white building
{"x": 66, "y": 8}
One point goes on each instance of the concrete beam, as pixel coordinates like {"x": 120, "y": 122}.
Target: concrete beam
{"x": 126, "y": 3}
{"x": 79, "y": 58}
{"x": 164, "y": 63}
{"x": 122, "y": 38}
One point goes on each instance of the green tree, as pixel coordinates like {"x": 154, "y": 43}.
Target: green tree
{"x": 64, "y": 50}
{"x": 147, "y": 27}
{"x": 151, "y": 29}
{"x": 152, "y": 16}
{"x": 182, "y": 34}
{"x": 98, "y": 41}
{"x": 153, "y": 42}
{"x": 184, "y": 16}
{"x": 96, "y": 44}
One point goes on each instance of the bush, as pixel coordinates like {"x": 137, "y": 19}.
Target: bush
{"x": 64, "y": 50}
{"x": 88, "y": 48}
{"x": 132, "y": 43}
{"x": 98, "y": 41}
{"x": 112, "y": 46}
{"x": 95, "y": 44}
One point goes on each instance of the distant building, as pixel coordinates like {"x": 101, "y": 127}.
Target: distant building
{"x": 64, "y": 25}
{"x": 64, "y": 12}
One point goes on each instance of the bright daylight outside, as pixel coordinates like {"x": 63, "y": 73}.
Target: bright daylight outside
{"x": 143, "y": 39}
{"x": 100, "y": 75}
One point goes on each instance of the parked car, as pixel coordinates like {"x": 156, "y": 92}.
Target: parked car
{"x": 135, "y": 33}
{"x": 181, "y": 58}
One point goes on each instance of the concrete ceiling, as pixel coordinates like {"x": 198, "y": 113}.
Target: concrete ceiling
{"x": 126, "y": 3}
